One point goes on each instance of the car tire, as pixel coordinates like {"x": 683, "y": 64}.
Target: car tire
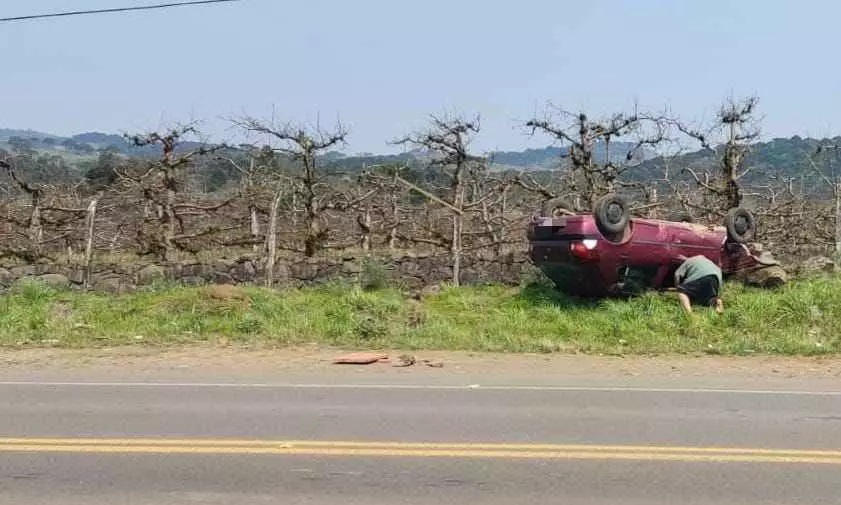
{"x": 548, "y": 207}
{"x": 741, "y": 225}
{"x": 612, "y": 215}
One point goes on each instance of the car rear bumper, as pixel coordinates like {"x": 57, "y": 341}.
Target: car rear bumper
{"x": 569, "y": 274}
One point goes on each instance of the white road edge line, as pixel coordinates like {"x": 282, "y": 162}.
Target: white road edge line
{"x": 465, "y": 387}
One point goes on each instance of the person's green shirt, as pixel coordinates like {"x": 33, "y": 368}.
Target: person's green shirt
{"x": 695, "y": 268}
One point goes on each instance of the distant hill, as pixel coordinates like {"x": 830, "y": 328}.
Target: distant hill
{"x": 550, "y": 157}
{"x": 547, "y": 158}
{"x": 84, "y": 144}
{"x": 6, "y": 133}
{"x": 99, "y": 139}
{"x": 780, "y": 157}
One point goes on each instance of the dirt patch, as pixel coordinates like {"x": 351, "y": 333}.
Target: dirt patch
{"x": 315, "y": 364}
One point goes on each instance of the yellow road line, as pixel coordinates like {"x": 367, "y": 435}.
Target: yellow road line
{"x": 425, "y": 453}
{"x": 406, "y": 445}
{"x": 417, "y": 450}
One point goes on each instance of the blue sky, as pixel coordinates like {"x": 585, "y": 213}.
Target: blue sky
{"x": 383, "y": 66}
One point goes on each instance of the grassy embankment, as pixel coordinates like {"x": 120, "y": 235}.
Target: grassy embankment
{"x": 802, "y": 318}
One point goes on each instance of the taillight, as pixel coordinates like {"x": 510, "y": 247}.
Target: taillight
{"x": 584, "y": 250}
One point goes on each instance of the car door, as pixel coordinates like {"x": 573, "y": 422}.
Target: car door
{"x": 641, "y": 261}
{"x": 687, "y": 239}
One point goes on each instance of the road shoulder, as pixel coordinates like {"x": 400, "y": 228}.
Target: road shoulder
{"x": 314, "y": 366}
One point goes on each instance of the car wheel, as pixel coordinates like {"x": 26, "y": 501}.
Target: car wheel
{"x": 548, "y": 207}
{"x": 612, "y": 215}
{"x": 741, "y": 226}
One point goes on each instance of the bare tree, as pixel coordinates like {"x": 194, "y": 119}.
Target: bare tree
{"x": 90, "y": 226}
{"x": 448, "y": 141}
{"x": 35, "y": 193}
{"x": 358, "y": 199}
{"x": 590, "y": 175}
{"x": 303, "y": 146}
{"x": 255, "y": 175}
{"x": 833, "y": 183}
{"x": 730, "y": 138}
{"x": 553, "y": 197}
{"x": 271, "y": 238}
{"x": 160, "y": 184}
{"x": 390, "y": 209}
{"x": 51, "y": 217}
{"x": 491, "y": 195}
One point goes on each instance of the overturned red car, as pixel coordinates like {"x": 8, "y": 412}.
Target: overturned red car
{"x": 609, "y": 253}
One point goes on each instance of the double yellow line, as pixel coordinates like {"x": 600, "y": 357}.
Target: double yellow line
{"x": 415, "y": 450}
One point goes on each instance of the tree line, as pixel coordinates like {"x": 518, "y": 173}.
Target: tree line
{"x": 284, "y": 197}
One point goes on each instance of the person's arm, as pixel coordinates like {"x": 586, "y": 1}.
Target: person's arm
{"x": 685, "y": 302}
{"x": 680, "y": 273}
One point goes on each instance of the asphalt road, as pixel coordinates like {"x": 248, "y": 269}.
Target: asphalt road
{"x": 215, "y": 443}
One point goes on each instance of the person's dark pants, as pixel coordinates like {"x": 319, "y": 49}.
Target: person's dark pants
{"x": 701, "y": 291}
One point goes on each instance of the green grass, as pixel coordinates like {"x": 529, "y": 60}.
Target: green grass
{"x": 803, "y": 318}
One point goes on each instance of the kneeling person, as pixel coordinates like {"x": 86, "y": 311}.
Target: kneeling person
{"x": 698, "y": 281}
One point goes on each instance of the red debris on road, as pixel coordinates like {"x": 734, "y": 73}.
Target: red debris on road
{"x": 360, "y": 358}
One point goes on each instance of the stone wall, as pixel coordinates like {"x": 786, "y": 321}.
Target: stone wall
{"x": 411, "y": 272}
